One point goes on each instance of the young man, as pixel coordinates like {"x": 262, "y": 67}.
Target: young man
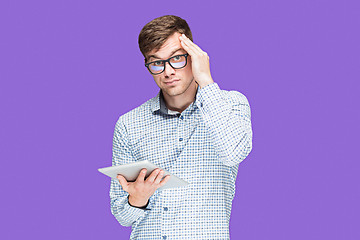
{"x": 192, "y": 129}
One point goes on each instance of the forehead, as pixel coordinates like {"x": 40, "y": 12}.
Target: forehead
{"x": 170, "y": 45}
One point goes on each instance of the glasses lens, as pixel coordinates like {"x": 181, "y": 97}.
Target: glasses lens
{"x": 178, "y": 61}
{"x": 156, "y": 67}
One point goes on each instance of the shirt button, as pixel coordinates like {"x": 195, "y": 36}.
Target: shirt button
{"x": 180, "y": 139}
{"x": 181, "y": 117}
{"x": 165, "y": 208}
{"x": 164, "y": 237}
{"x": 201, "y": 104}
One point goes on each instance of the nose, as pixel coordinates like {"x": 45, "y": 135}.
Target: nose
{"x": 168, "y": 70}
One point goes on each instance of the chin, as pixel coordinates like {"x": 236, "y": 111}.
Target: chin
{"x": 174, "y": 92}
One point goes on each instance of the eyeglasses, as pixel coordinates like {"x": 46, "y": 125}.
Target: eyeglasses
{"x": 176, "y": 62}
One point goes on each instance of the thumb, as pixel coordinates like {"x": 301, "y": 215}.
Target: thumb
{"x": 124, "y": 184}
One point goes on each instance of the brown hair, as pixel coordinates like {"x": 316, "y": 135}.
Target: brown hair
{"x": 155, "y": 33}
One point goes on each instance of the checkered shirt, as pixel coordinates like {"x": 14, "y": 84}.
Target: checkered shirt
{"x": 202, "y": 145}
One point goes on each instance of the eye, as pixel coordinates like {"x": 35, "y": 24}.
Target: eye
{"x": 177, "y": 58}
{"x": 158, "y": 63}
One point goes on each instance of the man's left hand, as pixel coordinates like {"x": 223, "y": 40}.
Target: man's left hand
{"x": 199, "y": 62}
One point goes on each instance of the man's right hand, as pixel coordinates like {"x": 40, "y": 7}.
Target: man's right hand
{"x": 141, "y": 190}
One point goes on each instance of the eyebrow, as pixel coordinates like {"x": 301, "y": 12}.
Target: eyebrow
{"x": 154, "y": 56}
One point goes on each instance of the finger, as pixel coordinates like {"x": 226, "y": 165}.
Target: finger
{"x": 192, "y": 44}
{"x": 141, "y": 176}
{"x": 153, "y": 175}
{"x": 189, "y": 46}
{"x": 124, "y": 184}
{"x": 162, "y": 183}
{"x": 159, "y": 177}
{"x": 188, "y": 49}
{"x": 195, "y": 49}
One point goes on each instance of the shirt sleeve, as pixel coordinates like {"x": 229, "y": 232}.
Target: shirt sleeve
{"x": 124, "y": 213}
{"x": 228, "y": 118}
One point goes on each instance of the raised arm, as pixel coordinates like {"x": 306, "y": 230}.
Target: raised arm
{"x": 228, "y": 119}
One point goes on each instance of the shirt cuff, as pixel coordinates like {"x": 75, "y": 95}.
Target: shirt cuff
{"x": 134, "y": 212}
{"x": 143, "y": 208}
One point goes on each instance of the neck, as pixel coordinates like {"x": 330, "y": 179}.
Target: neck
{"x": 180, "y": 102}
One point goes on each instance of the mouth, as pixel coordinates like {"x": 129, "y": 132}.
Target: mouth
{"x": 172, "y": 82}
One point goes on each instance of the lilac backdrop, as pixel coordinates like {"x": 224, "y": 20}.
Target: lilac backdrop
{"x": 69, "y": 69}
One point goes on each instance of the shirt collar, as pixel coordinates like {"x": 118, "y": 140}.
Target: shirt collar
{"x": 158, "y": 103}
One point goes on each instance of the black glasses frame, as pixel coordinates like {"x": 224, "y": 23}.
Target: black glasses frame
{"x": 165, "y": 61}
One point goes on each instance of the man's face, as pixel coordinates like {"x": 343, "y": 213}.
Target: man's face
{"x": 173, "y": 82}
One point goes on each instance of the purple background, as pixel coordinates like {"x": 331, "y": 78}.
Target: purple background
{"x": 69, "y": 69}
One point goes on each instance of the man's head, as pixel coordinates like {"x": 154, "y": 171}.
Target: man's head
{"x": 159, "y": 40}
{"x": 154, "y": 34}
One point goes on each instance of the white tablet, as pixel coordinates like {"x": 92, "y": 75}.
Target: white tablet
{"x": 131, "y": 171}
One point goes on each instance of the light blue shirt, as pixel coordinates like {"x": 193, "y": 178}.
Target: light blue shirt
{"x": 203, "y": 145}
